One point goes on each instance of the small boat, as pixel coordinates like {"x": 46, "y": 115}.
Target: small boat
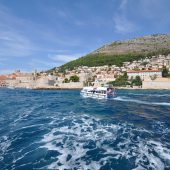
{"x": 104, "y": 92}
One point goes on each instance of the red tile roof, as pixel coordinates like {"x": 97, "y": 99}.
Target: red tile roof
{"x": 2, "y": 77}
{"x": 14, "y": 76}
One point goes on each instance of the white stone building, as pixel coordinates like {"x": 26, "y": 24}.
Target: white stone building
{"x": 45, "y": 82}
{"x": 143, "y": 74}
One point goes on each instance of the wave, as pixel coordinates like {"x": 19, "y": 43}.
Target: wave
{"x": 127, "y": 99}
{"x": 144, "y": 94}
{"x": 88, "y": 143}
{"x": 80, "y": 141}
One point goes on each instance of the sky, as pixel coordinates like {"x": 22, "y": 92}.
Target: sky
{"x": 42, "y": 34}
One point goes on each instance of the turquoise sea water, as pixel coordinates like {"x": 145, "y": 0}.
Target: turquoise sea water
{"x": 62, "y": 130}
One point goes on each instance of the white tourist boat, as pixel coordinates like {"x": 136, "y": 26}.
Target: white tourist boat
{"x": 98, "y": 92}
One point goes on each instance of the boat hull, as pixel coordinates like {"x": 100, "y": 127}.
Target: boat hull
{"x": 97, "y": 96}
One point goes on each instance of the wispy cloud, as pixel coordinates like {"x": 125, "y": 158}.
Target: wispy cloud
{"x": 123, "y": 4}
{"x": 13, "y": 41}
{"x": 6, "y": 71}
{"x": 9, "y": 71}
{"x": 122, "y": 24}
{"x": 154, "y": 10}
{"x": 14, "y": 44}
{"x": 20, "y": 37}
{"x": 63, "y": 57}
{"x": 131, "y": 13}
{"x": 40, "y": 65}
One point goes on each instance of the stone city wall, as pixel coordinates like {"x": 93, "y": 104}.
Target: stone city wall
{"x": 159, "y": 83}
{"x": 72, "y": 85}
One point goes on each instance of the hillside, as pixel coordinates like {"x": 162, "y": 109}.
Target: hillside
{"x": 120, "y": 51}
{"x": 140, "y": 45}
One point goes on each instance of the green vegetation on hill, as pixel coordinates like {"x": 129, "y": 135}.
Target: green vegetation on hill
{"x": 100, "y": 59}
{"x": 92, "y": 60}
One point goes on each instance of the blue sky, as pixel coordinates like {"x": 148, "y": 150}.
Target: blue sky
{"x": 42, "y": 34}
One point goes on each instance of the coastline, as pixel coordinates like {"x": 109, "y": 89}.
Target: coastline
{"x": 78, "y": 88}
{"x": 119, "y": 88}
{"x": 58, "y": 88}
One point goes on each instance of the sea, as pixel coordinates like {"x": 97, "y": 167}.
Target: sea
{"x": 61, "y": 130}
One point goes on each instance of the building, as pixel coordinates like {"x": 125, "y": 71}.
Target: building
{"x": 25, "y": 77}
{"x": 143, "y": 74}
{"x": 3, "y": 80}
{"x": 159, "y": 83}
{"x": 103, "y": 79}
{"x": 45, "y": 81}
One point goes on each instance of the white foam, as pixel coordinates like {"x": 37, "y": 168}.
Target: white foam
{"x": 155, "y": 162}
{"x": 161, "y": 103}
{"x": 163, "y": 152}
{"x": 73, "y": 140}
{"x": 4, "y": 145}
{"x": 126, "y": 99}
{"x": 146, "y": 94}
{"x": 24, "y": 115}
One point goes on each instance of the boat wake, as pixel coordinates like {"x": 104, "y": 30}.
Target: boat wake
{"x": 150, "y": 94}
{"x": 73, "y": 141}
{"x": 87, "y": 143}
{"x": 128, "y": 99}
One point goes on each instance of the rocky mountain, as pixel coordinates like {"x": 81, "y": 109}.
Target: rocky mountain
{"x": 140, "y": 45}
{"x": 120, "y": 51}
